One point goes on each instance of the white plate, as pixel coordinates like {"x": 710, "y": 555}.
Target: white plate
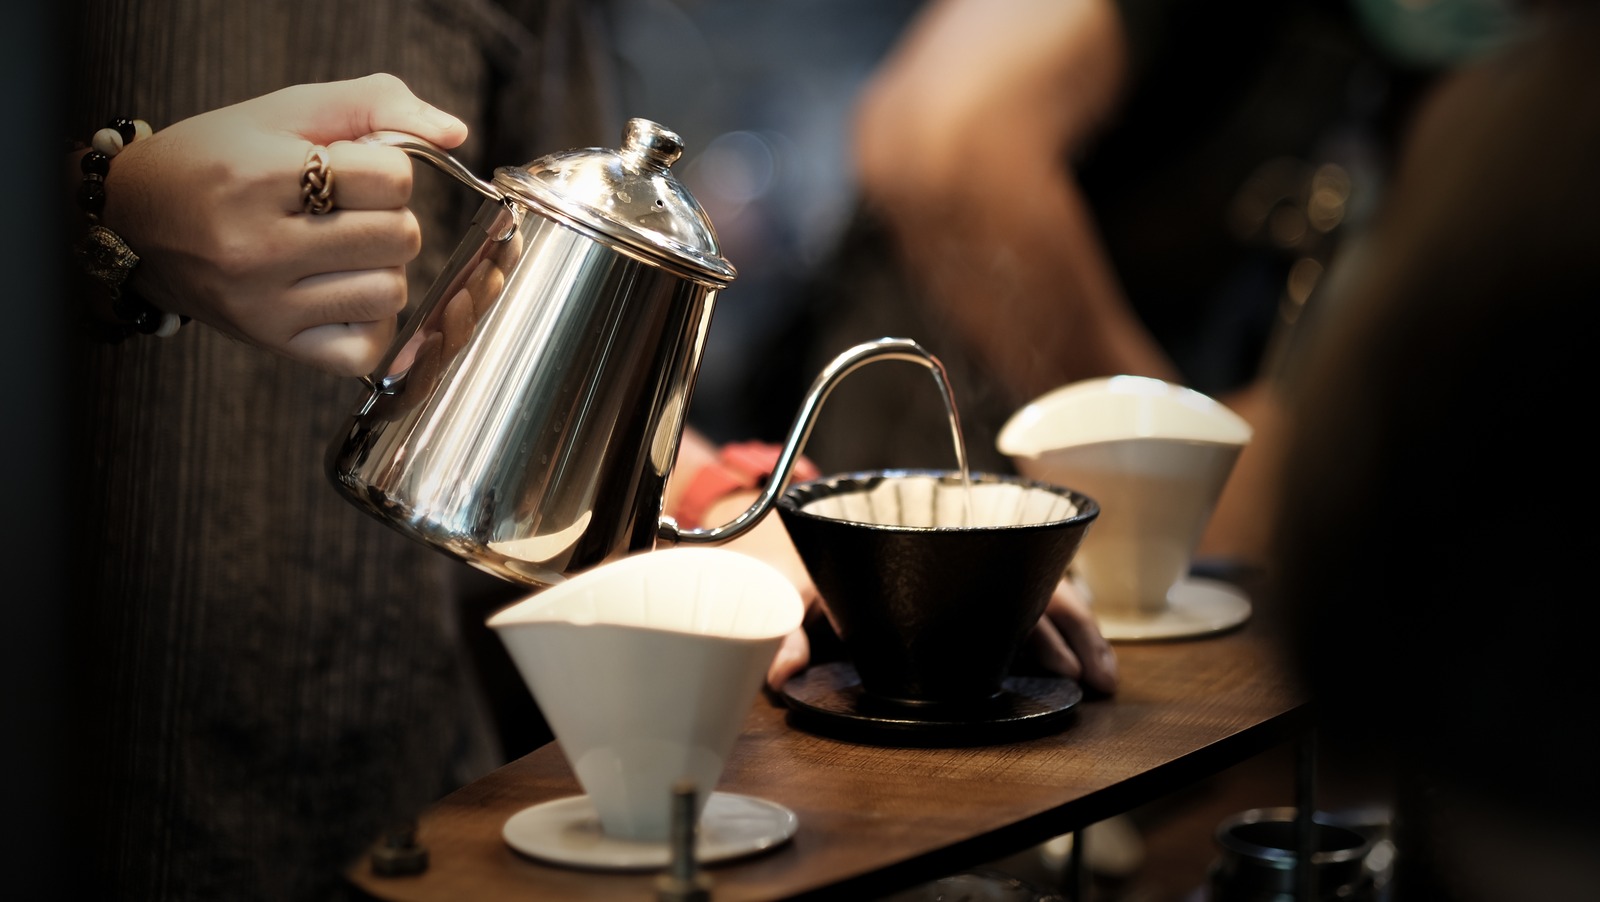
{"x": 1195, "y": 607}
{"x": 567, "y": 831}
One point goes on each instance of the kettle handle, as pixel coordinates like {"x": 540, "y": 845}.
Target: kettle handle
{"x": 841, "y": 366}
{"x": 423, "y": 149}
{"x": 501, "y": 229}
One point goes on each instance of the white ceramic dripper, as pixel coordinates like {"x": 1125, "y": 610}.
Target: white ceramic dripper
{"x": 645, "y": 669}
{"x": 1155, "y": 456}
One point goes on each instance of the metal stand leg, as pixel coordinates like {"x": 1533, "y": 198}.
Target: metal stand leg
{"x": 1305, "y": 780}
{"x": 1077, "y": 868}
{"x": 400, "y": 854}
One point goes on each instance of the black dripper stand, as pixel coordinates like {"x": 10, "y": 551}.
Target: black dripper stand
{"x": 828, "y": 700}
{"x": 931, "y": 590}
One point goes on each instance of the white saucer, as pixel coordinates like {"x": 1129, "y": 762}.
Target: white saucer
{"x": 1195, "y": 607}
{"x": 567, "y": 831}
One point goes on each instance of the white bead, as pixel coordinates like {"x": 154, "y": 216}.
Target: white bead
{"x": 108, "y": 141}
{"x": 170, "y": 323}
{"x": 141, "y": 129}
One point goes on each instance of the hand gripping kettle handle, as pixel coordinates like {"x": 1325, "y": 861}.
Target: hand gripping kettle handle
{"x": 503, "y": 227}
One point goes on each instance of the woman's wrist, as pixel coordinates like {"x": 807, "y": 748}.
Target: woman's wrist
{"x": 103, "y": 259}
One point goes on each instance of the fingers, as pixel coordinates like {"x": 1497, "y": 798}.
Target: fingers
{"x": 391, "y": 105}
{"x": 366, "y": 177}
{"x": 1071, "y": 618}
{"x": 213, "y": 206}
{"x": 347, "y": 239}
{"x": 344, "y": 349}
{"x": 279, "y": 286}
{"x": 350, "y": 318}
{"x": 1052, "y": 652}
{"x": 341, "y": 323}
{"x": 353, "y": 296}
{"x": 346, "y": 110}
{"x": 792, "y": 657}
{"x": 363, "y": 177}
{"x": 340, "y": 268}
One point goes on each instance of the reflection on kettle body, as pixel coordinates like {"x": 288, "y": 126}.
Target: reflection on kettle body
{"x": 445, "y": 327}
{"x": 528, "y": 416}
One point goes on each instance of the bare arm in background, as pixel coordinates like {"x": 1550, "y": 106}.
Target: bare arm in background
{"x": 964, "y": 141}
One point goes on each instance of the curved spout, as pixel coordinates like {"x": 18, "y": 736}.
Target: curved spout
{"x": 840, "y": 367}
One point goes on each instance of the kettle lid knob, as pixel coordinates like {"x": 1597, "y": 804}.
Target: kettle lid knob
{"x": 628, "y": 198}
{"x": 650, "y": 144}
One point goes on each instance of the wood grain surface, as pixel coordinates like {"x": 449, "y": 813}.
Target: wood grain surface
{"x": 875, "y": 819}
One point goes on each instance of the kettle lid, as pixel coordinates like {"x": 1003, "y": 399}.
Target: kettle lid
{"x": 629, "y": 199}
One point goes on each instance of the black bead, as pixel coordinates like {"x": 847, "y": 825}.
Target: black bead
{"x": 126, "y": 128}
{"x": 92, "y": 194}
{"x": 95, "y": 163}
{"x": 140, "y": 313}
{"x": 128, "y": 306}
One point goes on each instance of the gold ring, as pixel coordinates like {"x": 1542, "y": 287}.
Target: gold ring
{"x": 316, "y": 182}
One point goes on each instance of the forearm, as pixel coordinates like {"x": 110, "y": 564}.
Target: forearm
{"x": 1021, "y": 274}
{"x": 964, "y": 141}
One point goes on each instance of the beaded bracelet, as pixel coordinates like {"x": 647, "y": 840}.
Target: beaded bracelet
{"x": 102, "y": 253}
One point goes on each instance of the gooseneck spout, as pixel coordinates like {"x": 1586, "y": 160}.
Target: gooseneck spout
{"x": 841, "y": 366}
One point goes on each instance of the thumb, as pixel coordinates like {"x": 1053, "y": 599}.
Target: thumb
{"x": 347, "y": 110}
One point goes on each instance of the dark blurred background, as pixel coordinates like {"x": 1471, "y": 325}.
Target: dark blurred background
{"x": 761, "y": 94}
{"x": 36, "y": 485}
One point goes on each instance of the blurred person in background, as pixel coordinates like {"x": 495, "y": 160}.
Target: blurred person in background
{"x": 1437, "y": 513}
{"x": 1053, "y": 191}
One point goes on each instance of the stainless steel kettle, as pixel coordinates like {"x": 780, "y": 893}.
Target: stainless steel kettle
{"x": 529, "y": 412}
